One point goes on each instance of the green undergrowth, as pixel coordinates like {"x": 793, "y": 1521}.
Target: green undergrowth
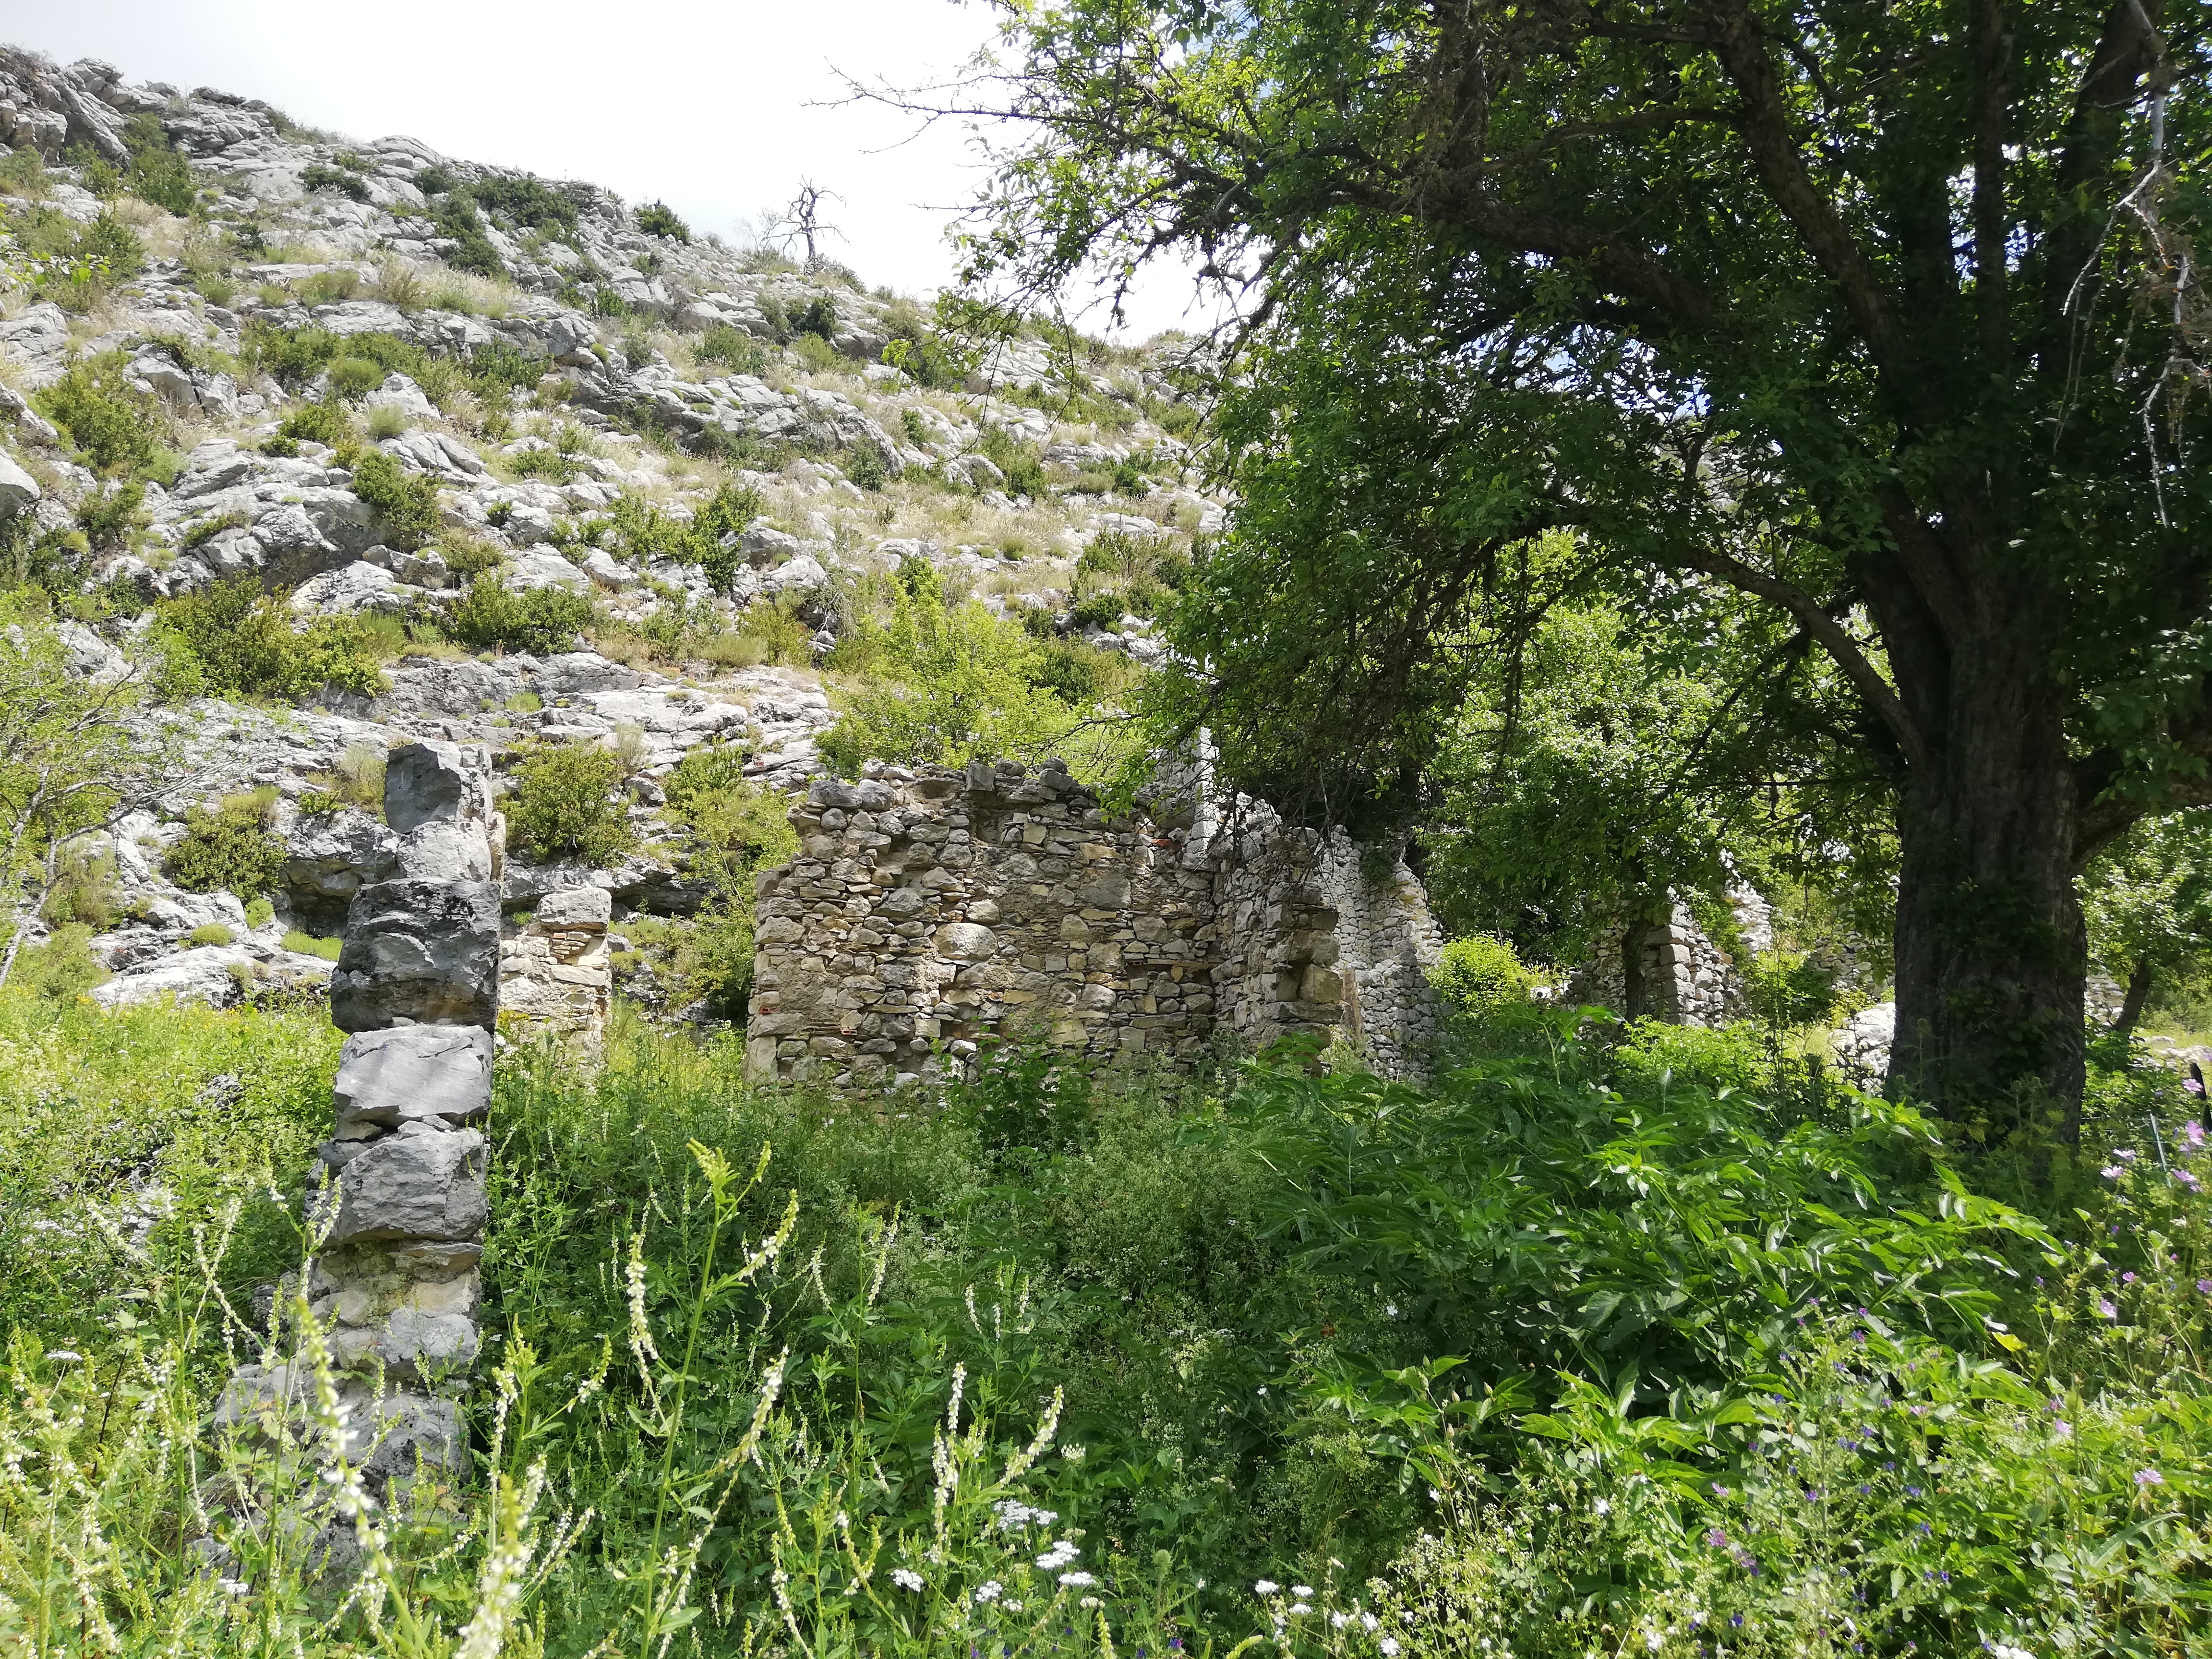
{"x": 1573, "y": 1352}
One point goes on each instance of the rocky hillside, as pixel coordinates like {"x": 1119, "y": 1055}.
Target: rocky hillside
{"x": 336, "y": 443}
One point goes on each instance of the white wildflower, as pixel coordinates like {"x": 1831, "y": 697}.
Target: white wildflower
{"x": 1265, "y": 1587}
{"x": 1077, "y": 1580}
{"x": 989, "y": 1591}
{"x": 905, "y": 1578}
{"x": 1389, "y": 1646}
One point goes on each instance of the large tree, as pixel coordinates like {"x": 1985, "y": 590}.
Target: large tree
{"x": 1882, "y": 314}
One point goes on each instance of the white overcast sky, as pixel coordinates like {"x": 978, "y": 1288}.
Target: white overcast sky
{"x": 719, "y": 109}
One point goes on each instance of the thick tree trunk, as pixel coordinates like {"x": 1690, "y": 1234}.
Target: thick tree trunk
{"x": 1991, "y": 952}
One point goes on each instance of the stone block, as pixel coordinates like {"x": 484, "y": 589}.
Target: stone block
{"x": 426, "y": 782}
{"x": 576, "y": 907}
{"x": 414, "y": 1073}
{"x": 425, "y": 951}
{"x": 420, "y": 1183}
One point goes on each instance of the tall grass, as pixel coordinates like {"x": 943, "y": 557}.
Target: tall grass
{"x": 1052, "y": 1362}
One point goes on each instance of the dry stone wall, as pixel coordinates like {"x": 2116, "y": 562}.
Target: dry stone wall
{"x": 928, "y": 911}
{"x": 554, "y": 977}
{"x": 394, "y": 1287}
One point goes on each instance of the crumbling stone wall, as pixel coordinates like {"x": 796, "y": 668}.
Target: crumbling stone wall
{"x": 936, "y": 907}
{"x": 554, "y": 976}
{"x": 1681, "y": 976}
{"x": 395, "y": 1283}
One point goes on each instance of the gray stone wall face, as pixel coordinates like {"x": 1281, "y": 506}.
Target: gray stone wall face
{"x": 928, "y": 911}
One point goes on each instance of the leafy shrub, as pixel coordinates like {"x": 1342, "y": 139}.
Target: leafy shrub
{"x": 318, "y": 176}
{"x": 434, "y": 181}
{"x": 489, "y": 617}
{"x": 607, "y": 302}
{"x": 816, "y": 355}
{"x": 296, "y": 355}
{"x": 115, "y": 428}
{"x": 1715, "y": 1057}
{"x": 455, "y": 218}
{"x": 498, "y": 364}
{"x": 865, "y": 468}
{"x": 407, "y": 505}
{"x": 1022, "y": 466}
{"x": 355, "y": 376}
{"x": 817, "y": 317}
{"x": 228, "y": 848}
{"x": 733, "y": 349}
{"x": 929, "y": 360}
{"x": 231, "y": 640}
{"x": 658, "y": 219}
{"x": 1478, "y": 973}
{"x": 107, "y": 517}
{"x": 563, "y": 804}
{"x": 529, "y": 202}
{"x": 945, "y": 684}
{"x": 386, "y": 421}
{"x": 63, "y": 967}
{"x": 732, "y": 829}
{"x": 213, "y": 933}
{"x": 159, "y": 172}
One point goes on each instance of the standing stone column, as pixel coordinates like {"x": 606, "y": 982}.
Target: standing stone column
{"x": 417, "y": 987}
{"x": 395, "y": 1285}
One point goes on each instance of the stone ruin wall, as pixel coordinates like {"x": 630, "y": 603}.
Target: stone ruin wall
{"x": 928, "y": 911}
{"x": 1683, "y": 978}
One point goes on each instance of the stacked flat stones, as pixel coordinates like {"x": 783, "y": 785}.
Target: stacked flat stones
{"x": 554, "y": 976}
{"x": 929, "y": 910}
{"x": 395, "y": 1284}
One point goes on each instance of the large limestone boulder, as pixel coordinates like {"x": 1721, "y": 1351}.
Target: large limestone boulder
{"x": 421, "y": 951}
{"x": 425, "y": 1182}
{"x": 414, "y": 1073}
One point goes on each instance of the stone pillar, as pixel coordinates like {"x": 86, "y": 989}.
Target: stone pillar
{"x": 553, "y": 976}
{"x": 395, "y": 1284}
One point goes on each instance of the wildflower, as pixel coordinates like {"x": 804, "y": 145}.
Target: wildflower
{"x": 1265, "y": 1587}
{"x": 2106, "y": 1309}
{"x": 1719, "y": 1491}
{"x": 1299, "y": 1609}
{"x": 2205, "y": 1287}
{"x": 1303, "y": 1592}
{"x": 2149, "y": 1478}
{"x": 233, "y": 1586}
{"x": 2127, "y": 1279}
{"x": 1089, "y": 1601}
{"x": 64, "y": 1356}
{"x": 1389, "y": 1646}
{"x": 1653, "y": 1640}
{"x": 1737, "y": 1620}
{"x": 2112, "y": 1172}
{"x": 989, "y": 1591}
{"x": 2193, "y": 1132}
{"x": 2187, "y": 1179}
{"x": 905, "y": 1578}
{"x": 1077, "y": 1580}
{"x": 1601, "y": 1507}
{"x": 1339, "y": 1620}
{"x": 1717, "y": 1539}
{"x": 1369, "y": 1620}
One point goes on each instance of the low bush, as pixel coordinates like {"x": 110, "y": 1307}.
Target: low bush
{"x": 228, "y": 848}
{"x": 564, "y": 803}
{"x": 229, "y": 639}
{"x": 1022, "y": 466}
{"x": 658, "y": 219}
{"x": 213, "y": 933}
{"x": 528, "y": 203}
{"x": 325, "y": 423}
{"x": 316, "y": 175}
{"x": 454, "y": 217}
{"x": 331, "y": 288}
{"x": 1481, "y": 973}
{"x": 489, "y": 617}
{"x": 159, "y": 172}
{"x": 354, "y": 377}
{"x": 109, "y": 517}
{"x": 115, "y": 428}
{"x": 307, "y": 944}
{"x": 733, "y": 347}
{"x": 62, "y": 968}
{"x": 406, "y": 504}
{"x": 816, "y": 355}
